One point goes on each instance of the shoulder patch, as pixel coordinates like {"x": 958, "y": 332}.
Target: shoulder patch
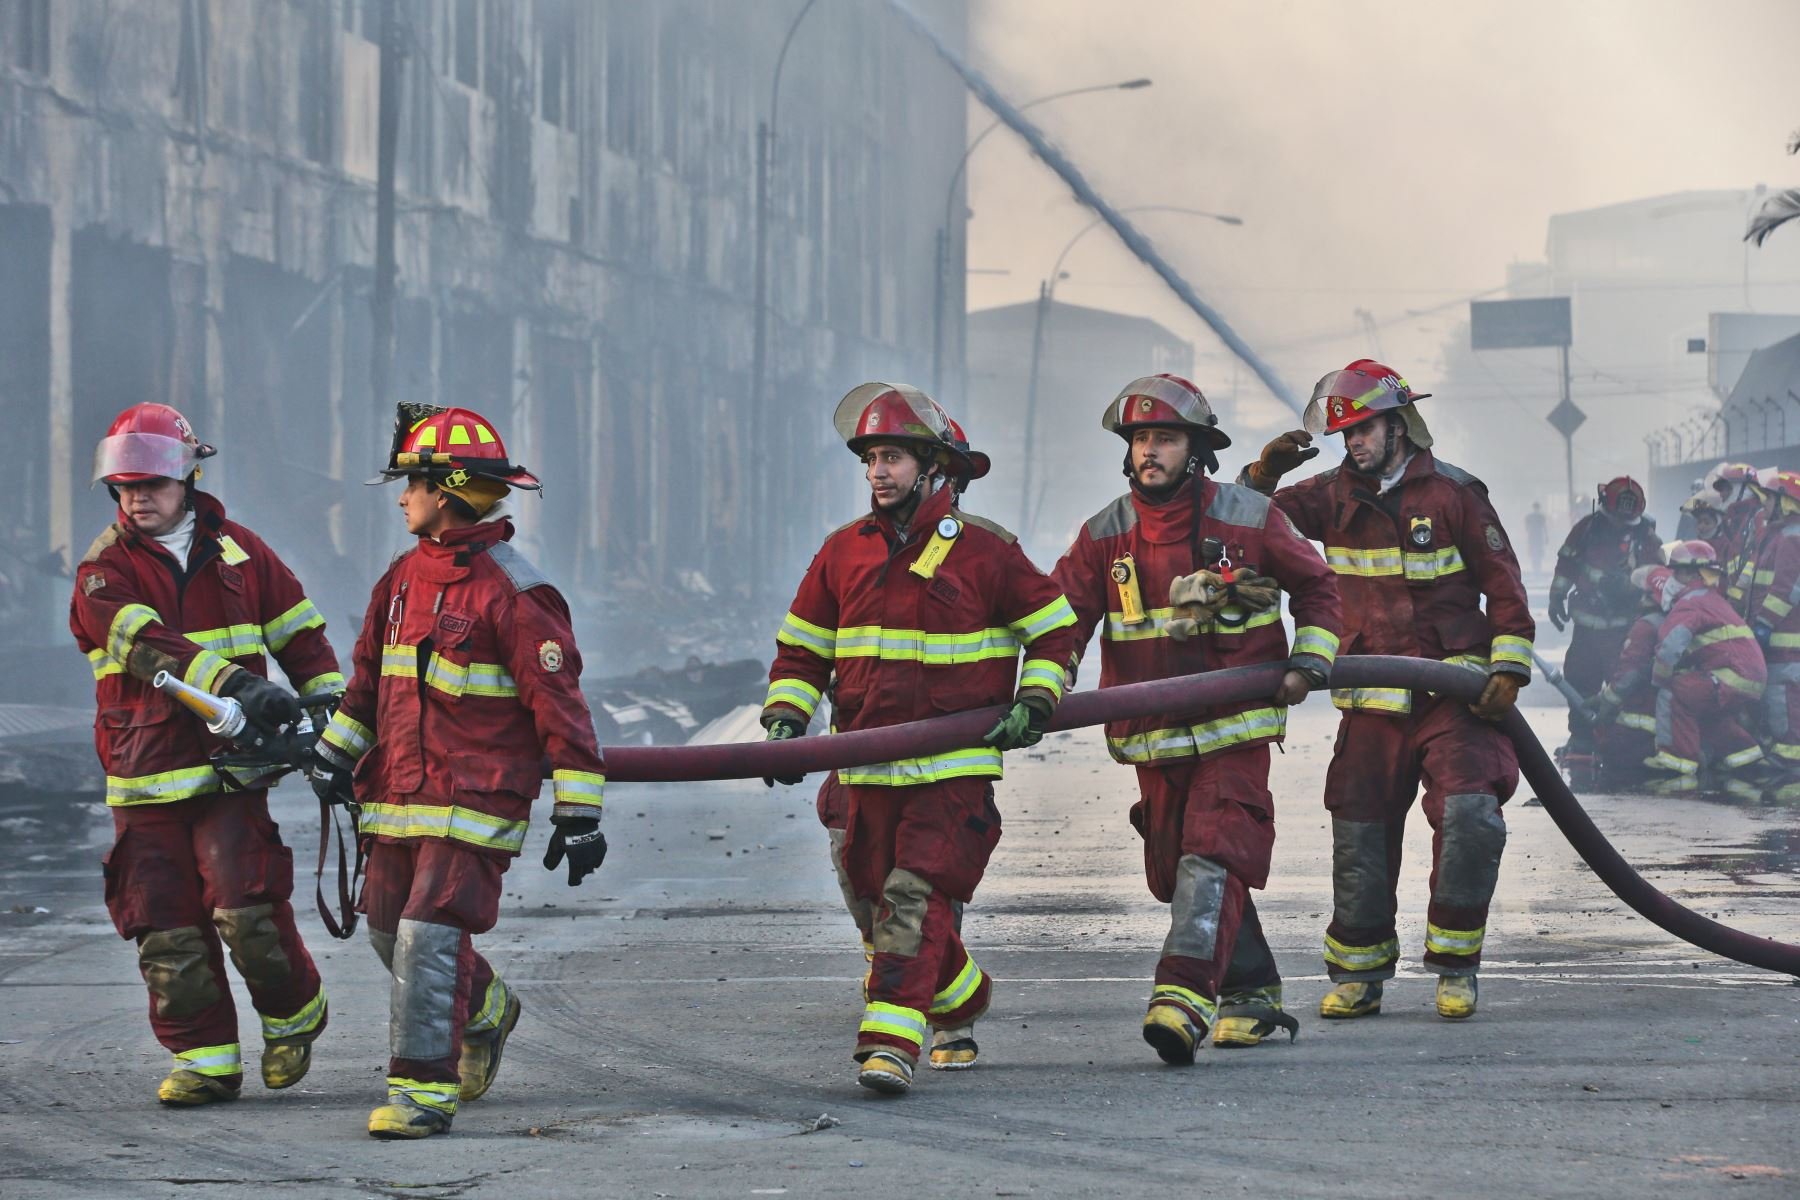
{"x": 1456, "y": 474}
{"x": 1234, "y": 505}
{"x": 1004, "y": 534}
{"x": 1495, "y": 542}
{"x": 1117, "y": 518}
{"x": 93, "y": 581}
{"x": 106, "y": 538}
{"x": 518, "y": 569}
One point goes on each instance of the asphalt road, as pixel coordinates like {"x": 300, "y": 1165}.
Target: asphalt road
{"x": 689, "y": 1015}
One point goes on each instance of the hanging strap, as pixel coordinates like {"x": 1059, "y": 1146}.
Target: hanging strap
{"x": 349, "y": 880}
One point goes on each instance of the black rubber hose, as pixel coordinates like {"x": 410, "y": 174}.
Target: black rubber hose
{"x": 749, "y": 760}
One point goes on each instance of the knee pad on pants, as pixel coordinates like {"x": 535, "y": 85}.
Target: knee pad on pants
{"x": 905, "y": 899}
{"x": 1359, "y": 874}
{"x": 1194, "y": 912}
{"x": 177, "y": 970}
{"x": 1474, "y": 834}
{"x": 382, "y": 942}
{"x": 255, "y": 943}
{"x": 423, "y": 1003}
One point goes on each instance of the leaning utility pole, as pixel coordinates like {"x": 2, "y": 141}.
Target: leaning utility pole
{"x": 381, "y": 350}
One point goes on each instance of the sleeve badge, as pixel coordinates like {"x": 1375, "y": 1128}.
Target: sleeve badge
{"x": 92, "y": 582}
{"x": 550, "y": 656}
{"x": 1495, "y": 542}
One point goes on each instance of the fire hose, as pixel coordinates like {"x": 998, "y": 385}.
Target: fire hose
{"x": 746, "y": 760}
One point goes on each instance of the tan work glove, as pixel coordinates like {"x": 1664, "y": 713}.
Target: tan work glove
{"x": 1279, "y": 457}
{"x": 1500, "y": 694}
{"x": 1197, "y": 598}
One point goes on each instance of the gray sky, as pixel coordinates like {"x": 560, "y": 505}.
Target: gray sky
{"x": 1388, "y": 156}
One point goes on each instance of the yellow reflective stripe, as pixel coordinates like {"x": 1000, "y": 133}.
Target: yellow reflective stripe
{"x": 959, "y": 991}
{"x": 1367, "y": 563}
{"x": 493, "y": 1006}
{"x": 1631, "y": 720}
{"x": 806, "y": 635}
{"x": 1203, "y": 1006}
{"x": 795, "y": 693}
{"x": 577, "y": 787}
{"x": 1452, "y": 941}
{"x": 1310, "y": 639}
{"x": 1508, "y": 648}
{"x": 479, "y": 679}
{"x": 304, "y": 1021}
{"x": 1787, "y": 641}
{"x": 1055, "y": 615}
{"x": 204, "y": 670}
{"x": 1777, "y": 606}
{"x": 1664, "y": 760}
{"x": 103, "y": 664}
{"x": 440, "y": 1097}
{"x": 1723, "y": 633}
{"x": 1156, "y": 621}
{"x": 450, "y": 821}
{"x": 915, "y": 645}
{"x": 233, "y": 641}
{"x": 127, "y": 623}
{"x": 1205, "y": 738}
{"x": 1361, "y": 958}
{"x": 283, "y": 629}
{"x": 1364, "y": 699}
{"x": 452, "y": 679}
{"x": 399, "y": 661}
{"x": 1042, "y": 673}
{"x": 1741, "y": 758}
{"x": 162, "y": 787}
{"x": 1433, "y": 564}
{"x": 212, "y": 1061}
{"x": 980, "y": 760}
{"x": 330, "y": 681}
{"x": 894, "y": 1020}
{"x": 350, "y": 736}
{"x": 1737, "y": 683}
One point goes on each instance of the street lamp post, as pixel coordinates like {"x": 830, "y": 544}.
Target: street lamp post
{"x": 941, "y": 292}
{"x": 1046, "y": 294}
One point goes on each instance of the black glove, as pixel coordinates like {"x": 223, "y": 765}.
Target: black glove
{"x": 1023, "y": 725}
{"x": 780, "y": 730}
{"x": 1559, "y": 612}
{"x": 330, "y": 782}
{"x": 580, "y": 840}
{"x": 268, "y": 705}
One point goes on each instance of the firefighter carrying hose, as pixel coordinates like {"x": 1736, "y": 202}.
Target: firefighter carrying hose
{"x": 920, "y": 609}
{"x": 196, "y": 871}
{"x": 1592, "y": 589}
{"x": 466, "y": 679}
{"x": 1416, "y": 547}
{"x": 1205, "y": 812}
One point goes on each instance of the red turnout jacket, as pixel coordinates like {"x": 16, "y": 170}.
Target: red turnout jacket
{"x": 1772, "y": 593}
{"x": 911, "y": 640}
{"x": 1702, "y": 632}
{"x": 466, "y": 677}
{"x": 1594, "y": 565}
{"x": 1150, "y": 545}
{"x": 136, "y": 611}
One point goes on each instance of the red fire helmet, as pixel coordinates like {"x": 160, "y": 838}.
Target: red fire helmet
{"x": 148, "y": 441}
{"x": 1353, "y": 395}
{"x": 1163, "y": 402}
{"x": 450, "y": 445}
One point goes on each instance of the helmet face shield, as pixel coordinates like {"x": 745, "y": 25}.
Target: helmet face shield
{"x": 1350, "y": 397}
{"x": 132, "y": 457}
{"x": 1160, "y": 401}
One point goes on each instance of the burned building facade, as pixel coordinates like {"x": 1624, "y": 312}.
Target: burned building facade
{"x": 187, "y": 214}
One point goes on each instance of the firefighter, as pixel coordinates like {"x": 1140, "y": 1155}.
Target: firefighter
{"x": 1417, "y": 548}
{"x": 1204, "y": 811}
{"x": 1707, "y": 512}
{"x": 1739, "y": 528}
{"x": 196, "y": 871}
{"x": 920, "y": 609}
{"x": 1709, "y": 671}
{"x": 1770, "y": 602}
{"x": 1625, "y": 706}
{"x": 466, "y": 680}
{"x": 1592, "y": 588}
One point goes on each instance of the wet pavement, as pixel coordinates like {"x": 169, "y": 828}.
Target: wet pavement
{"x": 690, "y": 1011}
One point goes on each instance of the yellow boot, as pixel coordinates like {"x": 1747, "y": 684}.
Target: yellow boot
{"x": 189, "y": 1089}
{"x": 414, "y": 1110}
{"x": 1172, "y": 1034}
{"x": 1246, "y": 1018}
{"x": 285, "y": 1063}
{"x": 1456, "y": 997}
{"x": 1351, "y": 1000}
{"x": 480, "y": 1060}
{"x": 954, "y": 1049}
{"x": 885, "y": 1072}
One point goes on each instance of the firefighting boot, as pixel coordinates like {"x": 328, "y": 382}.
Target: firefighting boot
{"x": 407, "y": 1116}
{"x": 1173, "y": 1034}
{"x": 1348, "y": 1000}
{"x": 954, "y": 1049}
{"x": 1246, "y": 1018}
{"x": 286, "y": 1062}
{"x": 885, "y": 1072}
{"x": 1456, "y": 997}
{"x": 480, "y": 1060}
{"x": 189, "y": 1089}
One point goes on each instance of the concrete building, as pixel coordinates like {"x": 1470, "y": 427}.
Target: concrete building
{"x": 1088, "y": 355}
{"x": 187, "y": 214}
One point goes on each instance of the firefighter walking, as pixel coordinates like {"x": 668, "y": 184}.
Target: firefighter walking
{"x": 1205, "y": 812}
{"x": 466, "y": 679}
{"x": 921, "y": 609}
{"x": 196, "y": 871}
{"x": 1417, "y": 548}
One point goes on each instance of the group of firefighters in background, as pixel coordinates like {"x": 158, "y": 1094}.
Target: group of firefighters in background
{"x": 1686, "y": 655}
{"x": 465, "y": 689}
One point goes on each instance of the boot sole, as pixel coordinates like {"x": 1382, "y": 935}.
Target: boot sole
{"x": 1350, "y": 1015}
{"x": 1458, "y": 1016}
{"x": 1170, "y": 1046}
{"x": 884, "y": 1083}
{"x": 404, "y": 1135}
